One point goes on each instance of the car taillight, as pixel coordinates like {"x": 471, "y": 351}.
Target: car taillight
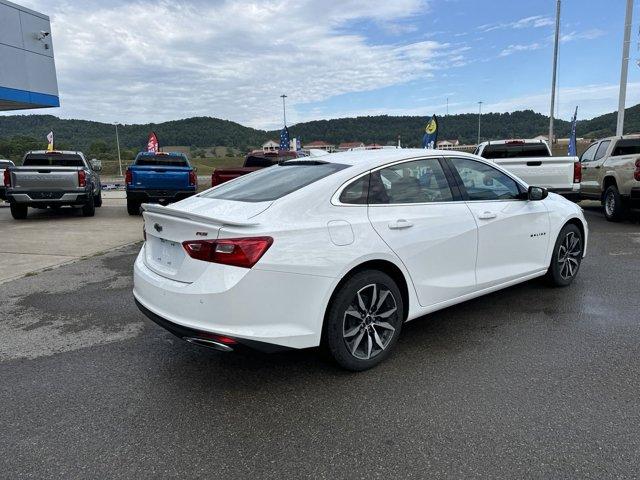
{"x": 128, "y": 177}
{"x": 82, "y": 178}
{"x": 636, "y": 173}
{"x": 239, "y": 252}
{"x": 7, "y": 178}
{"x": 577, "y": 172}
{"x": 193, "y": 180}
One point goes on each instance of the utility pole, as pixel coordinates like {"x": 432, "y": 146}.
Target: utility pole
{"x": 554, "y": 74}
{"x": 447, "y": 105}
{"x": 625, "y": 67}
{"x": 118, "y": 144}
{"x": 284, "y": 109}
{"x": 479, "y": 116}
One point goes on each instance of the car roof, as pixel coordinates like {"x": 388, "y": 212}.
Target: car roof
{"x": 162, "y": 154}
{"x": 367, "y": 159}
{"x": 53, "y": 152}
{"x": 513, "y": 141}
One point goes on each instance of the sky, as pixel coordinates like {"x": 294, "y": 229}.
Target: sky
{"x": 151, "y": 61}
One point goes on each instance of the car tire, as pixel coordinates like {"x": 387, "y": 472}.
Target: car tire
{"x": 97, "y": 200}
{"x": 133, "y": 207}
{"x": 89, "y": 208}
{"x": 363, "y": 320}
{"x": 614, "y": 207}
{"x": 19, "y": 212}
{"x": 566, "y": 257}
{"x": 55, "y": 207}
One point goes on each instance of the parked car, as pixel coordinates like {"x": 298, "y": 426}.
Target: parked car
{"x": 532, "y": 161}
{"x": 162, "y": 177}
{"x": 4, "y": 164}
{"x": 252, "y": 162}
{"x": 53, "y": 179}
{"x": 341, "y": 250}
{"x": 611, "y": 174}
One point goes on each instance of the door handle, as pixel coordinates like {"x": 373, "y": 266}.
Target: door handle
{"x": 487, "y": 215}
{"x": 400, "y": 223}
{"x": 598, "y": 166}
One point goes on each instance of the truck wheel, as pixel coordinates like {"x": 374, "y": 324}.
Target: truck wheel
{"x": 19, "y": 212}
{"x": 89, "y": 208}
{"x": 614, "y": 208}
{"x": 98, "y": 199}
{"x": 133, "y": 207}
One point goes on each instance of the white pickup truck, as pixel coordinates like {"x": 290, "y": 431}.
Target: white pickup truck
{"x": 532, "y": 161}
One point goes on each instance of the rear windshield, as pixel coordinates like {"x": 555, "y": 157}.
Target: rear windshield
{"x": 6, "y": 163}
{"x": 162, "y": 160}
{"x": 53, "y": 160}
{"x": 629, "y": 146}
{"x": 515, "y": 150}
{"x": 256, "y": 161}
{"x": 274, "y": 182}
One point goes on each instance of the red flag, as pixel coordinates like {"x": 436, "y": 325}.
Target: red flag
{"x": 152, "y": 143}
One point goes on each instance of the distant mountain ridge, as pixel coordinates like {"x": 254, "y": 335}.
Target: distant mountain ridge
{"x": 382, "y": 129}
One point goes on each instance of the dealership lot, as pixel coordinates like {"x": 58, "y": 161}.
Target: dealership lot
{"x": 530, "y": 381}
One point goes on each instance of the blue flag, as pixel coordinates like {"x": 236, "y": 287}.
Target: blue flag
{"x": 573, "y": 150}
{"x": 284, "y": 139}
{"x": 430, "y": 134}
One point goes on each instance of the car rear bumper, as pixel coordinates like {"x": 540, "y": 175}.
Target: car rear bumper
{"x": 159, "y": 196}
{"x": 47, "y": 197}
{"x": 274, "y": 308}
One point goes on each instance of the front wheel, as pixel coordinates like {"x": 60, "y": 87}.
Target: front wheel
{"x": 19, "y": 212}
{"x": 614, "y": 208}
{"x": 567, "y": 256}
{"x": 364, "y": 320}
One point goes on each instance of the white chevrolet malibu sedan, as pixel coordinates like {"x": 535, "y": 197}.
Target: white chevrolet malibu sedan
{"x": 341, "y": 250}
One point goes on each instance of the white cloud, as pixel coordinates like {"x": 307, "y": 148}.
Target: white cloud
{"x": 535, "y": 21}
{"x": 152, "y": 61}
{"x": 511, "y": 49}
{"x": 586, "y": 35}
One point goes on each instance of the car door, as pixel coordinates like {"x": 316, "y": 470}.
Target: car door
{"x": 422, "y": 218}
{"x": 591, "y": 161}
{"x": 513, "y": 232}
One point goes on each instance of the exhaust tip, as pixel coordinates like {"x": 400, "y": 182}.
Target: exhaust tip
{"x": 205, "y": 342}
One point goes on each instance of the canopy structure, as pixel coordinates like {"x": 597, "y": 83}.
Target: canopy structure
{"x": 28, "y": 72}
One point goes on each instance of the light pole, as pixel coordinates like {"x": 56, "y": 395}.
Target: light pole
{"x": 553, "y": 75}
{"x": 479, "y": 116}
{"x": 625, "y": 67}
{"x": 284, "y": 109}
{"x": 118, "y": 145}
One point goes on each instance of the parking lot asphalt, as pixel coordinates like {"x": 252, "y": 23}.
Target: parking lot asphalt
{"x": 530, "y": 382}
{"x": 48, "y": 238}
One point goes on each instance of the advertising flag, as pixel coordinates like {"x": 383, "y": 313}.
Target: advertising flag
{"x": 430, "y": 134}
{"x": 573, "y": 150}
{"x": 284, "y": 140}
{"x": 50, "y": 142}
{"x": 152, "y": 143}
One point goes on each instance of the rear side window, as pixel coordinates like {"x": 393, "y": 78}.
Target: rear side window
{"x": 515, "y": 150}
{"x": 629, "y": 146}
{"x": 162, "y": 160}
{"x": 274, "y": 182}
{"x": 53, "y": 160}
{"x": 357, "y": 192}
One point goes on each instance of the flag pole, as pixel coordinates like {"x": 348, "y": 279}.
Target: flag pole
{"x": 284, "y": 109}
{"x": 554, "y": 74}
{"x": 625, "y": 68}
{"x": 118, "y": 145}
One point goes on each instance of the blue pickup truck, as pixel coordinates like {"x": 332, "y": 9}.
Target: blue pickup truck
{"x": 162, "y": 177}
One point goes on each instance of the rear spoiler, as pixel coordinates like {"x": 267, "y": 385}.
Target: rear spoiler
{"x": 170, "y": 212}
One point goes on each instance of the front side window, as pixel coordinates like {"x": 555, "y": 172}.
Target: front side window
{"x": 417, "y": 181}
{"x": 483, "y": 182}
{"x": 602, "y": 149}
{"x": 589, "y": 153}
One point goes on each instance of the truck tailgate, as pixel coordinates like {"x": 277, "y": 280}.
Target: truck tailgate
{"x": 549, "y": 172}
{"x": 153, "y": 177}
{"x": 44, "y": 178}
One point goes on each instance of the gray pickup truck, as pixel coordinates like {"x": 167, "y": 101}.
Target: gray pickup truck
{"x": 53, "y": 179}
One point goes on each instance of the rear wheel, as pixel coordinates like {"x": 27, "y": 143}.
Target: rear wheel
{"x": 364, "y": 320}
{"x": 19, "y": 212}
{"x": 133, "y": 207}
{"x": 98, "y": 199}
{"x": 89, "y": 208}
{"x": 567, "y": 256}
{"x": 614, "y": 208}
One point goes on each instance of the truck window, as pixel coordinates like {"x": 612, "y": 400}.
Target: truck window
{"x": 602, "y": 149}
{"x": 515, "y": 150}
{"x": 52, "y": 160}
{"x": 588, "y": 154}
{"x": 627, "y": 146}
{"x": 162, "y": 160}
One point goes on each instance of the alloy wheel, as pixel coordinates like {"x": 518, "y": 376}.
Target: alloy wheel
{"x": 610, "y": 204}
{"x": 569, "y": 255}
{"x": 368, "y": 321}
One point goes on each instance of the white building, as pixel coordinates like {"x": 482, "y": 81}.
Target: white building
{"x": 270, "y": 146}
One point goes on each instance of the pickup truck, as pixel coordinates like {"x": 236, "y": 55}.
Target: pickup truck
{"x": 256, "y": 160}
{"x": 532, "y": 161}
{"x": 611, "y": 174}
{"x": 53, "y": 179}
{"x": 162, "y": 177}
{"x": 4, "y": 164}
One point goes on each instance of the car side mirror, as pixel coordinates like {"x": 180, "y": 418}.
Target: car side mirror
{"x": 537, "y": 193}
{"x": 96, "y": 165}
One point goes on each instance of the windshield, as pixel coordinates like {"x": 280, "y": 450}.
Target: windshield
{"x": 53, "y": 160}
{"x": 274, "y": 182}
{"x": 515, "y": 150}
{"x": 162, "y": 160}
